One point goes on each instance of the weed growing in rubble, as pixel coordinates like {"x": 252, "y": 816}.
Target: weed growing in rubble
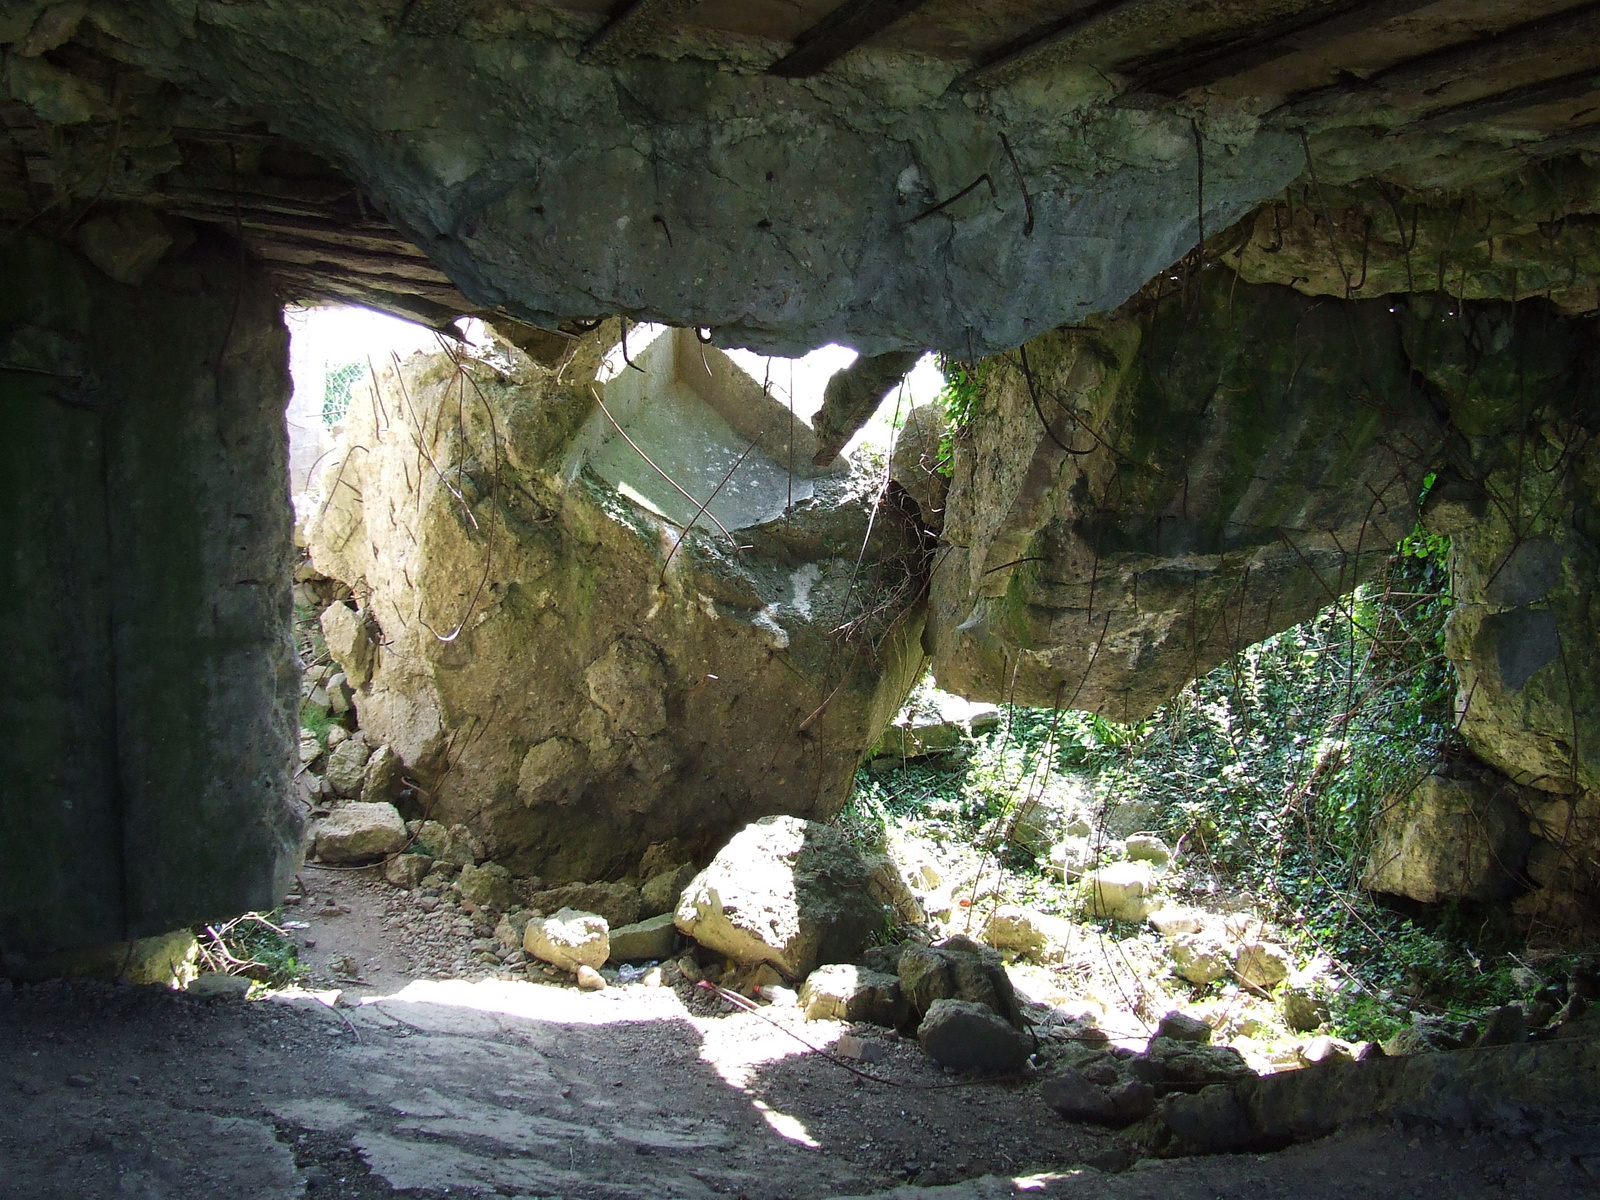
{"x": 254, "y": 944}
{"x": 1266, "y": 773}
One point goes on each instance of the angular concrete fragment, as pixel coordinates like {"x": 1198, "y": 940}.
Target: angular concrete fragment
{"x": 970, "y": 1037}
{"x": 840, "y": 992}
{"x": 359, "y": 833}
{"x": 957, "y": 969}
{"x": 784, "y": 891}
{"x": 569, "y": 939}
{"x": 1124, "y": 891}
{"x": 652, "y": 939}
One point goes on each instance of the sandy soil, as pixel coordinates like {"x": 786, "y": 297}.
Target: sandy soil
{"x": 514, "y": 1088}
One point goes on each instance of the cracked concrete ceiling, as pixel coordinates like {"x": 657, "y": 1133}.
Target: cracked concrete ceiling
{"x": 883, "y": 173}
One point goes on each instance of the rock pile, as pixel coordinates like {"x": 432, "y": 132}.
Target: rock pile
{"x": 1118, "y": 1086}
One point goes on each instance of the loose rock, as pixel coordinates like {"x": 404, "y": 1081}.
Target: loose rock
{"x": 957, "y": 969}
{"x": 1199, "y": 958}
{"x": 359, "y": 833}
{"x": 347, "y": 766}
{"x": 590, "y": 980}
{"x": 970, "y": 1037}
{"x": 487, "y": 886}
{"x": 661, "y": 891}
{"x": 1123, "y": 891}
{"x": 570, "y": 939}
{"x": 1263, "y": 964}
{"x": 618, "y": 902}
{"x": 380, "y": 779}
{"x": 643, "y": 941}
{"x": 1025, "y": 932}
{"x": 838, "y": 992}
{"x": 1183, "y": 1028}
{"x": 407, "y": 870}
{"x": 1147, "y": 847}
{"x": 786, "y": 891}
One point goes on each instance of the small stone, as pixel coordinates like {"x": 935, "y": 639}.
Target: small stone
{"x": 79, "y": 1081}
{"x": 779, "y": 996}
{"x": 655, "y": 977}
{"x": 1263, "y": 964}
{"x": 407, "y": 871}
{"x": 337, "y": 736}
{"x": 428, "y": 903}
{"x": 220, "y": 986}
{"x": 970, "y": 1037}
{"x": 1183, "y": 1028}
{"x": 589, "y": 979}
{"x": 858, "y": 1049}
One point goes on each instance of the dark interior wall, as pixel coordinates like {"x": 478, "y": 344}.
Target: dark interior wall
{"x": 147, "y": 721}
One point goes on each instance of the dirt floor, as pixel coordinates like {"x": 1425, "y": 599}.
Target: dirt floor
{"x": 435, "y": 1087}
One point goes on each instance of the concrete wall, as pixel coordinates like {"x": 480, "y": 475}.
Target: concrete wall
{"x": 146, "y": 724}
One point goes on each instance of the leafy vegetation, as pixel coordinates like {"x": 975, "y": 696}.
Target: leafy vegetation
{"x": 336, "y": 396}
{"x": 255, "y": 945}
{"x": 958, "y": 398}
{"x": 1267, "y": 774}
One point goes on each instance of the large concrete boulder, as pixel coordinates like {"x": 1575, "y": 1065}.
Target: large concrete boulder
{"x": 359, "y": 833}
{"x": 1449, "y": 838}
{"x": 784, "y": 891}
{"x": 600, "y": 687}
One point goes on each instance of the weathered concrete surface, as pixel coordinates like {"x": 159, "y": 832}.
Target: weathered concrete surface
{"x": 1139, "y": 498}
{"x": 1521, "y": 503}
{"x": 538, "y": 662}
{"x": 782, "y": 213}
{"x": 149, "y": 712}
{"x": 1530, "y": 233}
{"x": 1457, "y": 836}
